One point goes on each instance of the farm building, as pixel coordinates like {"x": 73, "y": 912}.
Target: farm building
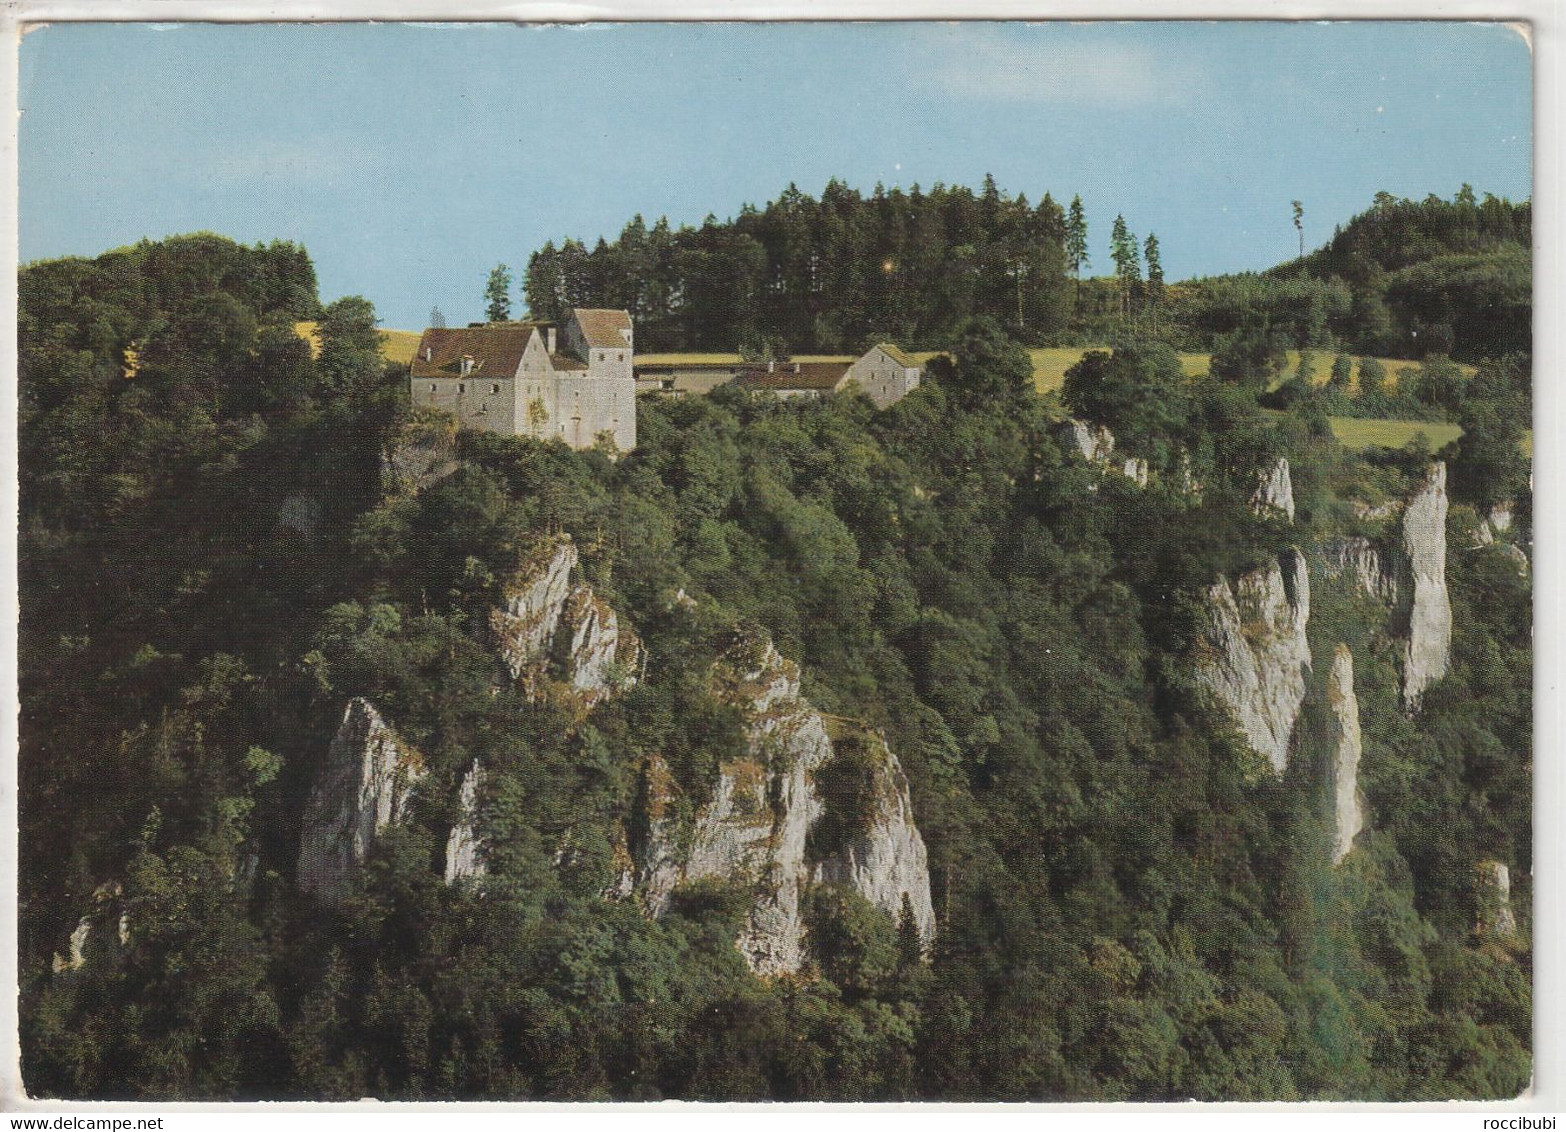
{"x": 573, "y": 380}
{"x": 885, "y": 374}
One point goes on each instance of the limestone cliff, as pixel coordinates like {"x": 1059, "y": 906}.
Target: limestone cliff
{"x": 531, "y": 606}
{"x": 551, "y": 630}
{"x": 102, "y": 935}
{"x": 1362, "y": 561}
{"x": 1407, "y": 571}
{"x": 1275, "y": 490}
{"x": 364, "y": 787}
{"x": 1497, "y": 921}
{"x": 770, "y": 809}
{"x": 464, "y": 849}
{"x": 1093, "y": 443}
{"x": 1429, "y": 649}
{"x": 1348, "y": 812}
{"x": 1253, "y": 654}
{"x": 886, "y": 860}
{"x": 420, "y": 456}
{"x": 1096, "y": 445}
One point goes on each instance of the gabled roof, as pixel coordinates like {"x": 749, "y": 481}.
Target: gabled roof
{"x": 896, "y": 355}
{"x": 802, "y": 376}
{"x": 602, "y": 328}
{"x": 495, "y": 349}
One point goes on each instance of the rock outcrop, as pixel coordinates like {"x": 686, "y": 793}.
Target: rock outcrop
{"x": 1361, "y": 560}
{"x": 1409, "y": 576}
{"x": 1429, "y": 649}
{"x": 102, "y": 935}
{"x": 657, "y": 865}
{"x": 1348, "y": 811}
{"x": 1093, "y": 443}
{"x": 550, "y": 630}
{"x": 767, "y": 822}
{"x": 1501, "y": 517}
{"x": 1275, "y": 490}
{"x": 1096, "y": 445}
{"x": 885, "y": 862}
{"x": 464, "y": 849}
{"x": 424, "y": 454}
{"x": 1497, "y": 921}
{"x": 1254, "y": 656}
{"x": 531, "y": 606}
{"x": 364, "y": 787}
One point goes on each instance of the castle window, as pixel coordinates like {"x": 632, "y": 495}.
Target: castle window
{"x": 462, "y": 387}
{"x": 494, "y": 387}
{"x": 432, "y": 387}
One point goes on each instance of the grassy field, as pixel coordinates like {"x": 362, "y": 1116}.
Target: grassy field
{"x": 1355, "y": 432}
{"x": 1050, "y": 363}
{"x": 396, "y": 345}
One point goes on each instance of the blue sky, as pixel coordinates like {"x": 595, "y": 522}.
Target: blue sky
{"x": 409, "y": 159}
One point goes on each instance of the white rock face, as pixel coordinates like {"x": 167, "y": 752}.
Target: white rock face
{"x": 546, "y": 627}
{"x": 464, "y": 850}
{"x": 364, "y": 787}
{"x": 1275, "y": 491}
{"x": 1429, "y": 650}
{"x": 597, "y": 653}
{"x": 757, "y": 827}
{"x": 1094, "y": 444}
{"x": 1254, "y": 655}
{"x": 1135, "y": 469}
{"x": 525, "y": 624}
{"x": 1517, "y": 556}
{"x": 658, "y": 867}
{"x": 1501, "y": 517}
{"x": 102, "y": 935}
{"x": 1344, "y": 743}
{"x": 1189, "y": 485}
{"x": 1482, "y": 535}
{"x": 1496, "y": 918}
{"x": 888, "y": 860}
{"x": 1360, "y": 559}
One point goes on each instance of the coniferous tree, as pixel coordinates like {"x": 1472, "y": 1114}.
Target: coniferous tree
{"x": 1155, "y": 278}
{"x": 1128, "y": 263}
{"x": 1077, "y": 242}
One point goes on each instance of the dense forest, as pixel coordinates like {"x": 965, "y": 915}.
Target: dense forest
{"x": 801, "y": 275}
{"x": 1129, "y": 904}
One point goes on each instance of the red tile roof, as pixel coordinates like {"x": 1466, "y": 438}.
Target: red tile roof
{"x": 602, "y": 328}
{"x": 496, "y": 350}
{"x": 790, "y": 376}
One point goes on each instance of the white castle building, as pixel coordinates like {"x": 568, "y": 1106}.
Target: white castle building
{"x": 573, "y": 380}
